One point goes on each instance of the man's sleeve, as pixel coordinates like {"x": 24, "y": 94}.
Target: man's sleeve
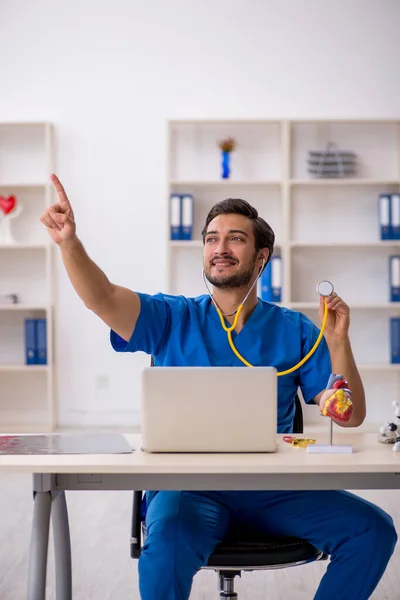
{"x": 314, "y": 373}
{"x": 152, "y": 327}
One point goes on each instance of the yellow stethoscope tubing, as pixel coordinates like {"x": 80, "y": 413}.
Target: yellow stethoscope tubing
{"x": 280, "y": 373}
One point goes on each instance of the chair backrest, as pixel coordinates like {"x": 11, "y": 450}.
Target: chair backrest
{"x": 298, "y": 424}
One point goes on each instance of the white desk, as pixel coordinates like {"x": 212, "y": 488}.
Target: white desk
{"x": 371, "y": 466}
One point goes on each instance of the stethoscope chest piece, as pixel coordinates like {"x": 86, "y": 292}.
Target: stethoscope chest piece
{"x": 325, "y": 288}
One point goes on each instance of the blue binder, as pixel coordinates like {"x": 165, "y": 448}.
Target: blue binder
{"x": 30, "y": 342}
{"x": 394, "y": 278}
{"x": 395, "y": 216}
{"x": 41, "y": 341}
{"x": 271, "y": 281}
{"x": 175, "y": 216}
{"x": 187, "y": 212}
{"x": 395, "y": 340}
{"x": 384, "y": 210}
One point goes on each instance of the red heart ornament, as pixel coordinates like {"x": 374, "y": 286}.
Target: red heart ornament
{"x": 7, "y": 204}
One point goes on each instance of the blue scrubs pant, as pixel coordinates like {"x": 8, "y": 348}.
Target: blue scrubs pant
{"x": 183, "y": 529}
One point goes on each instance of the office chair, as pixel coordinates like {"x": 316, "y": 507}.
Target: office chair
{"x": 244, "y": 549}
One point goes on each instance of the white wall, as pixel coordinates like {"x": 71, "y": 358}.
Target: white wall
{"x": 109, "y": 74}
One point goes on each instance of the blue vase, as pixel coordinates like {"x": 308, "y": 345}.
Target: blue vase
{"x": 225, "y": 165}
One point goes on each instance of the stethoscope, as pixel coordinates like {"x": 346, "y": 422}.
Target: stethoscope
{"x": 324, "y": 288}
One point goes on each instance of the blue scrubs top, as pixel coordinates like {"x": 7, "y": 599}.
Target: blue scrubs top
{"x": 179, "y": 331}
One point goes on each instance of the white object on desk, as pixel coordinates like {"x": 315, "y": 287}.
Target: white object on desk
{"x": 209, "y": 409}
{"x": 330, "y": 448}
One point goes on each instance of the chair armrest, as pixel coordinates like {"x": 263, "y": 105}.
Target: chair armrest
{"x": 136, "y": 525}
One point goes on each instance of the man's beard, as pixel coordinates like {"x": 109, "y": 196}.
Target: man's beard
{"x": 237, "y": 280}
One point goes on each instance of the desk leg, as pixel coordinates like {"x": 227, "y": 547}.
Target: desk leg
{"x": 62, "y": 547}
{"x": 39, "y": 546}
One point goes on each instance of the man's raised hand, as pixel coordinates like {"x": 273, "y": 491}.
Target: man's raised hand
{"x": 59, "y": 218}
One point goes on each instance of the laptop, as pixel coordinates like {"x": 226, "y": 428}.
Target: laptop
{"x": 209, "y": 409}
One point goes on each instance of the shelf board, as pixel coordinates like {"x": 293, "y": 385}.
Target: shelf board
{"x": 344, "y": 181}
{"x": 277, "y": 182}
{"x": 378, "y": 367}
{"x": 186, "y": 243}
{"x": 225, "y": 122}
{"x": 24, "y": 123}
{"x": 24, "y": 368}
{"x": 15, "y": 184}
{"x": 355, "y": 306}
{"x": 223, "y": 183}
{"x": 25, "y": 246}
{"x": 349, "y": 120}
{"x": 24, "y": 428}
{"x": 304, "y": 305}
{"x": 377, "y": 244}
{"x": 195, "y": 244}
{"x": 21, "y": 306}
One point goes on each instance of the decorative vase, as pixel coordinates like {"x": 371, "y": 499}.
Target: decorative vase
{"x": 8, "y": 210}
{"x": 225, "y": 164}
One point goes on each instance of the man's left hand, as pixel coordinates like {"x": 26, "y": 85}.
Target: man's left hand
{"x": 338, "y": 320}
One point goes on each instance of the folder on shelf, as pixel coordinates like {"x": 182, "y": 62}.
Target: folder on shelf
{"x": 395, "y": 340}
{"x": 41, "y": 341}
{"x": 270, "y": 282}
{"x": 395, "y": 216}
{"x": 30, "y": 342}
{"x": 384, "y": 210}
{"x": 187, "y": 211}
{"x": 394, "y": 278}
{"x": 175, "y": 215}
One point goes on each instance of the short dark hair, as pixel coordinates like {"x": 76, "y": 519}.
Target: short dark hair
{"x": 263, "y": 233}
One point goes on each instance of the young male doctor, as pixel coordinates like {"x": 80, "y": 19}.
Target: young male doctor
{"x": 183, "y": 528}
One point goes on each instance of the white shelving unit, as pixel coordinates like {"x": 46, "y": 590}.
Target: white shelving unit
{"x": 27, "y": 402}
{"x": 325, "y": 228}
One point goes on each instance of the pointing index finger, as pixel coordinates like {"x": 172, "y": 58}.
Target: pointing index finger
{"x": 62, "y": 196}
